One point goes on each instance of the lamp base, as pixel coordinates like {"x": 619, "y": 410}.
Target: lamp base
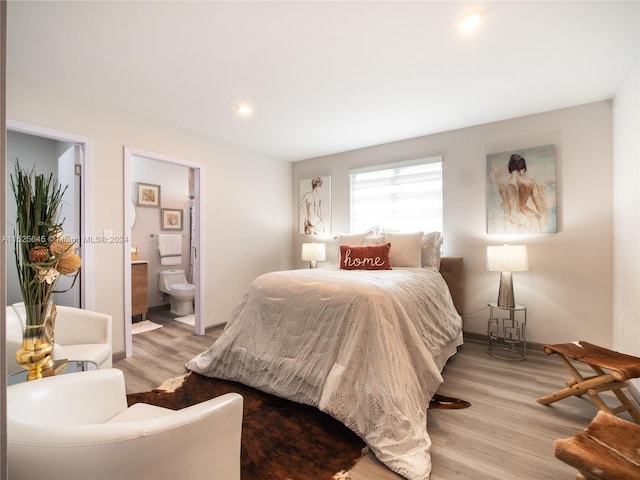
{"x": 313, "y": 264}
{"x": 505, "y": 293}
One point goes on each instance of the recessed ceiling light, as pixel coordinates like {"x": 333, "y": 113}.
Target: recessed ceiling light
{"x": 244, "y": 109}
{"x": 471, "y": 21}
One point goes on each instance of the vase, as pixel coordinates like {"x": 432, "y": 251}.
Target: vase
{"x": 36, "y": 353}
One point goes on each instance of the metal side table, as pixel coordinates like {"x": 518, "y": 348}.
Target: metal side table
{"x": 507, "y": 334}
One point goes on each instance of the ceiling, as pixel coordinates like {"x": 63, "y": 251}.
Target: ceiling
{"x": 325, "y": 77}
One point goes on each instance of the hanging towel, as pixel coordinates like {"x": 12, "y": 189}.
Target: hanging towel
{"x": 170, "y": 248}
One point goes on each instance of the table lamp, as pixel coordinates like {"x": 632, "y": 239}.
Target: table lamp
{"x": 313, "y": 253}
{"x": 506, "y": 259}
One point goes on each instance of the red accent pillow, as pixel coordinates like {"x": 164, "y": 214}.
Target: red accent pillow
{"x": 371, "y": 257}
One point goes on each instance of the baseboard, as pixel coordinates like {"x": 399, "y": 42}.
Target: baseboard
{"x": 481, "y": 337}
{"x": 117, "y": 356}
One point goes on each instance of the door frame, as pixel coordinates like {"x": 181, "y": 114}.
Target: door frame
{"x": 198, "y": 240}
{"x": 87, "y": 297}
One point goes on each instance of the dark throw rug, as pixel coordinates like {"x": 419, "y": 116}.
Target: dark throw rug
{"x": 280, "y": 439}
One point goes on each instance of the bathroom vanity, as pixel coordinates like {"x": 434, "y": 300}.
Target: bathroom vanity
{"x": 139, "y": 287}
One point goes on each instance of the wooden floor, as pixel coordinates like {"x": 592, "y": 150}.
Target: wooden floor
{"x": 504, "y": 435}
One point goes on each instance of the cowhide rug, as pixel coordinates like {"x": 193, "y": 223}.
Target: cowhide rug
{"x": 280, "y": 439}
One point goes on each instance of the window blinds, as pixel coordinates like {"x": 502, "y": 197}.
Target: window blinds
{"x": 404, "y": 197}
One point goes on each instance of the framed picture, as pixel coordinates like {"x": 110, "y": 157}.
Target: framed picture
{"x": 148, "y": 195}
{"x": 171, "y": 219}
{"x": 314, "y": 206}
{"x": 521, "y": 191}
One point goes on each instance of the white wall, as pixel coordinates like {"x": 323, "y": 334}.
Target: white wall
{"x": 248, "y": 196}
{"x": 626, "y": 306}
{"x": 568, "y": 290}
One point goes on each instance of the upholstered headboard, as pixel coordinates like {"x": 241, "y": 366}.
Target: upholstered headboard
{"x": 452, "y": 270}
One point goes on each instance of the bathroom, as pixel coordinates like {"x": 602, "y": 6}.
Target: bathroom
{"x": 162, "y": 202}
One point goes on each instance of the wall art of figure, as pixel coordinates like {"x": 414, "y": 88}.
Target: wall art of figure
{"x": 315, "y": 206}
{"x": 521, "y": 191}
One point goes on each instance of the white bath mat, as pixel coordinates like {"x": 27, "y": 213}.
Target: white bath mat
{"x": 187, "y": 319}
{"x": 144, "y": 326}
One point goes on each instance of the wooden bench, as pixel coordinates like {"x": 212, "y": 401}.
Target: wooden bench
{"x": 608, "y": 449}
{"x": 612, "y": 370}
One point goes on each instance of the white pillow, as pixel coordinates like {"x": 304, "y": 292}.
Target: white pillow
{"x": 431, "y": 249}
{"x": 374, "y": 241}
{"x": 406, "y": 249}
{"x": 353, "y": 239}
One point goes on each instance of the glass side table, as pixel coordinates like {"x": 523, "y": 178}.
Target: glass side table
{"x": 507, "y": 334}
{"x": 62, "y": 367}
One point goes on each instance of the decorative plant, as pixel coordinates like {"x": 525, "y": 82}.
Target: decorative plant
{"x": 41, "y": 250}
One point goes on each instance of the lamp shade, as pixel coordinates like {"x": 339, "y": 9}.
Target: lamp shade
{"x": 313, "y": 252}
{"x": 507, "y": 258}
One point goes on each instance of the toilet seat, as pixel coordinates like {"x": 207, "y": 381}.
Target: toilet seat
{"x": 183, "y": 287}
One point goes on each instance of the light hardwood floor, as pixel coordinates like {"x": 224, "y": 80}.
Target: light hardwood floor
{"x": 504, "y": 435}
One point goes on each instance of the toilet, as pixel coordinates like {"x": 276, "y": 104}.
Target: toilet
{"x": 173, "y": 282}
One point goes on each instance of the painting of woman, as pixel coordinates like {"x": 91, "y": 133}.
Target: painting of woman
{"x": 314, "y": 206}
{"x": 521, "y": 191}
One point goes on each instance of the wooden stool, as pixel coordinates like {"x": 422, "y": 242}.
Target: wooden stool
{"x": 612, "y": 369}
{"x": 608, "y": 449}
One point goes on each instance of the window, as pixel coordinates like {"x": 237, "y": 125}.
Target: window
{"x": 405, "y": 197}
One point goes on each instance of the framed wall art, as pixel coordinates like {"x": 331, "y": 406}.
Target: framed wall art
{"x": 314, "y": 206}
{"x": 521, "y": 191}
{"x": 171, "y": 219}
{"x": 148, "y": 195}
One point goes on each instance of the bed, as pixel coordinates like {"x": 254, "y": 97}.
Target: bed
{"x": 365, "y": 346}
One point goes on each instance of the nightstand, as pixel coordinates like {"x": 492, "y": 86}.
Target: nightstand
{"x": 506, "y": 329}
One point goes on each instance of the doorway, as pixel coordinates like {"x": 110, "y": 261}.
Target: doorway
{"x": 69, "y": 158}
{"x": 185, "y": 198}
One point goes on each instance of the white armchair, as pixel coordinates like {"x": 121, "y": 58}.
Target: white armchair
{"x": 84, "y": 336}
{"x": 78, "y": 426}
{"x": 80, "y": 335}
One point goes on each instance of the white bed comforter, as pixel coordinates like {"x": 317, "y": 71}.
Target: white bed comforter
{"x": 366, "y": 347}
